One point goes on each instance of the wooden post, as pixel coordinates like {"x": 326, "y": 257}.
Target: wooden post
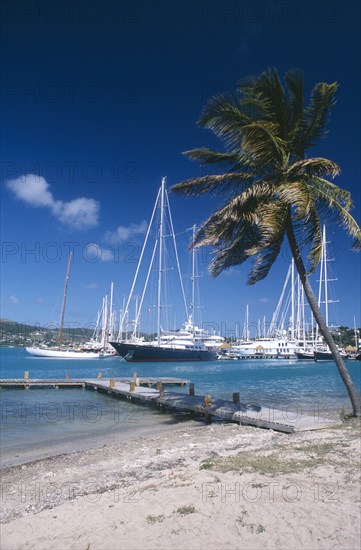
{"x": 132, "y": 386}
{"x": 207, "y": 402}
{"x": 112, "y": 383}
{"x": 161, "y": 391}
{"x": 68, "y": 376}
{"x": 191, "y": 388}
{"x": 134, "y": 375}
{"x": 26, "y": 375}
{"x": 99, "y": 375}
{"x": 236, "y": 398}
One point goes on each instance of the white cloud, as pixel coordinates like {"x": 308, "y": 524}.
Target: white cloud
{"x": 123, "y": 234}
{"x": 13, "y": 300}
{"x": 81, "y": 213}
{"x": 94, "y": 253}
{"x": 90, "y": 286}
{"x": 107, "y": 255}
{"x": 32, "y": 189}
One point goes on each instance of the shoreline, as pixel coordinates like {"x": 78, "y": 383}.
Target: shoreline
{"x": 51, "y": 448}
{"x": 221, "y": 486}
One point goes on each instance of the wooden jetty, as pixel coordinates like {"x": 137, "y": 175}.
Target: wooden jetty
{"x": 141, "y": 391}
{"x": 81, "y": 382}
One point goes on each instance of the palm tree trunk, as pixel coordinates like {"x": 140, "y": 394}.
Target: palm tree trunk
{"x": 345, "y": 375}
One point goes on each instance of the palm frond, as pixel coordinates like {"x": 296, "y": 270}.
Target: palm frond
{"x": 298, "y": 196}
{"x": 269, "y": 87}
{"x": 271, "y": 218}
{"x": 261, "y": 141}
{"x": 216, "y": 183}
{"x": 205, "y": 155}
{"x": 264, "y": 260}
{"x": 316, "y": 115}
{"x": 324, "y": 187}
{"x": 225, "y": 114}
{"x": 295, "y": 86}
{"x": 233, "y": 252}
{"x": 313, "y": 167}
{"x": 333, "y": 210}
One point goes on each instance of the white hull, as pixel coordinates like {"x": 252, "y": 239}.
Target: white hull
{"x": 63, "y": 354}
{"x": 265, "y": 348}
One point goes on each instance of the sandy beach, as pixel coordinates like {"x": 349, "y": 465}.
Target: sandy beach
{"x": 209, "y": 487}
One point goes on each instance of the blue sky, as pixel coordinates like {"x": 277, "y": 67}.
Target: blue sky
{"x": 99, "y": 99}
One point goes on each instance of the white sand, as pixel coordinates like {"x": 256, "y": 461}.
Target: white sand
{"x": 178, "y": 490}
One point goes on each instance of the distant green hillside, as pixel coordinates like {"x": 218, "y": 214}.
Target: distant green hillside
{"x": 20, "y": 334}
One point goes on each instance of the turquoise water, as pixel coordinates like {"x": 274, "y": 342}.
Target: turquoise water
{"x": 67, "y": 419}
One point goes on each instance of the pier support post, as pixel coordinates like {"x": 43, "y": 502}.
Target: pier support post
{"x": 68, "y": 376}
{"x": 236, "y": 398}
{"x": 161, "y": 390}
{"x": 207, "y": 401}
{"x": 112, "y": 383}
{"x": 191, "y": 388}
{"x": 26, "y": 375}
{"x": 132, "y": 386}
{"x": 99, "y": 375}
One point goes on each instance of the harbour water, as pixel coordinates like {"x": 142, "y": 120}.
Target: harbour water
{"x": 41, "y": 422}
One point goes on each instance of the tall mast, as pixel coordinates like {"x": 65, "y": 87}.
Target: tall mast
{"x": 64, "y": 301}
{"x": 246, "y": 326}
{"x": 322, "y": 266}
{"x": 111, "y": 314}
{"x": 105, "y": 320}
{"x": 193, "y": 274}
{"x": 325, "y": 273}
{"x": 355, "y": 332}
{"x": 160, "y": 265}
{"x": 292, "y": 299}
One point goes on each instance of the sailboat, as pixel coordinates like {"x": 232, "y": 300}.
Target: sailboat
{"x": 168, "y": 346}
{"x": 104, "y": 329}
{"x": 60, "y": 352}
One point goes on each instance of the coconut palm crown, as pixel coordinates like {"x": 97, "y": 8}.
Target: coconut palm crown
{"x": 271, "y": 189}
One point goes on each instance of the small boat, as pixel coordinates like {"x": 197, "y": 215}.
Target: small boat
{"x": 323, "y": 353}
{"x": 265, "y": 348}
{"x": 305, "y": 350}
{"x": 60, "y": 352}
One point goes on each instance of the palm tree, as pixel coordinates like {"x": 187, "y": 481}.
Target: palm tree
{"x": 271, "y": 189}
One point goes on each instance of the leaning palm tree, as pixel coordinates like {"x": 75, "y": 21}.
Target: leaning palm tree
{"x": 271, "y": 190}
